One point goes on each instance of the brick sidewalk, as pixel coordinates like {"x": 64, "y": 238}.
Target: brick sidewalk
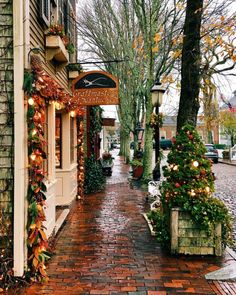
{"x": 105, "y": 248}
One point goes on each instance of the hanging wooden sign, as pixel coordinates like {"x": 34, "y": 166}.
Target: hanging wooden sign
{"x": 95, "y": 88}
{"x": 108, "y": 122}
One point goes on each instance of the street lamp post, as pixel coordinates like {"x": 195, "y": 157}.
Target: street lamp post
{"x": 157, "y": 92}
{"x": 139, "y": 131}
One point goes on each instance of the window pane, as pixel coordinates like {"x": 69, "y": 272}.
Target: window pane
{"x": 58, "y": 140}
{"x": 46, "y": 8}
{"x": 65, "y": 12}
{"x": 45, "y": 131}
{"x": 72, "y": 140}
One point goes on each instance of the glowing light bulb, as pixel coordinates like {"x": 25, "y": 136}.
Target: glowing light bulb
{"x": 195, "y": 164}
{"x": 207, "y": 189}
{"x": 72, "y": 114}
{"x": 31, "y": 101}
{"x": 34, "y": 132}
{"x": 33, "y": 157}
{"x": 192, "y": 193}
{"x": 176, "y": 167}
{"x": 57, "y": 105}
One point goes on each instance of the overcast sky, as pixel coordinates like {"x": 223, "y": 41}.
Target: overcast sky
{"x": 226, "y": 86}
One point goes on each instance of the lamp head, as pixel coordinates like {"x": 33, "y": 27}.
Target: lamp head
{"x": 157, "y": 92}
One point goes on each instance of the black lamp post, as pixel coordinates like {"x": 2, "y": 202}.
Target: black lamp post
{"x": 139, "y": 131}
{"x": 157, "y": 92}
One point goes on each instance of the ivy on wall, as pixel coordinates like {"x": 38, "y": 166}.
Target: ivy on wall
{"x": 95, "y": 125}
{"x": 94, "y": 178}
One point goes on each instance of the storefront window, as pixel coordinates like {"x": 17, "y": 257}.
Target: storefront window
{"x": 72, "y": 139}
{"x": 45, "y": 148}
{"x": 58, "y": 136}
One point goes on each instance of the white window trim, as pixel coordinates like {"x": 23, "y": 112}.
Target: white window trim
{"x": 45, "y": 19}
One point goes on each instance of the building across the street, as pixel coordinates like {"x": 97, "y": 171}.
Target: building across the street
{"x": 168, "y": 130}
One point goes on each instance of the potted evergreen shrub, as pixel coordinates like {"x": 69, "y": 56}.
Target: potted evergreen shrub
{"x": 137, "y": 167}
{"x": 107, "y": 163}
{"x": 137, "y": 162}
{"x": 196, "y": 222}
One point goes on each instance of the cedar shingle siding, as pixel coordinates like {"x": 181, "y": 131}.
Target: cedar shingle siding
{"x": 6, "y": 125}
{"x": 37, "y": 39}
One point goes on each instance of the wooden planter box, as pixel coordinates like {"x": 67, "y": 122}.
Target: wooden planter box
{"x": 73, "y": 74}
{"x": 188, "y": 238}
{"x": 55, "y": 49}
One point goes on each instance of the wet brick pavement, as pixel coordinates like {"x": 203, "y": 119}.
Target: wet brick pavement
{"x": 105, "y": 248}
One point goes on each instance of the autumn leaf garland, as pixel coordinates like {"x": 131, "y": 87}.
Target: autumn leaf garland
{"x": 37, "y": 239}
{"x": 40, "y": 90}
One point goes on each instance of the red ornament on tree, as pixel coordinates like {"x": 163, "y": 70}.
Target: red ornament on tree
{"x": 203, "y": 172}
{"x": 177, "y": 184}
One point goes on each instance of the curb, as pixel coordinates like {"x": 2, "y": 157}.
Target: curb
{"x": 149, "y": 224}
{"x": 227, "y": 163}
{"x": 231, "y": 252}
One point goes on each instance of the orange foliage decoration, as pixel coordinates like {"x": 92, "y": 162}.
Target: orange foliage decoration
{"x": 80, "y": 146}
{"x": 37, "y": 239}
{"x": 49, "y": 89}
{"x": 40, "y": 89}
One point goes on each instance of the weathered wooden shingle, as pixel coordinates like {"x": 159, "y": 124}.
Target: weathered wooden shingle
{"x": 6, "y": 125}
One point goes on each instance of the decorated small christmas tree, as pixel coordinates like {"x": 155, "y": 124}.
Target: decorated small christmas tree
{"x": 188, "y": 176}
{"x": 189, "y": 183}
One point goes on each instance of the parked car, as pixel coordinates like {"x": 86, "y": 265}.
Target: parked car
{"x": 211, "y": 153}
{"x": 164, "y": 144}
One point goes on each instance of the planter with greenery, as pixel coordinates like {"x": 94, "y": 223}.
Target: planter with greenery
{"x": 137, "y": 167}
{"x": 107, "y": 163}
{"x": 74, "y": 70}
{"x": 56, "y": 43}
{"x": 107, "y": 159}
{"x": 188, "y": 186}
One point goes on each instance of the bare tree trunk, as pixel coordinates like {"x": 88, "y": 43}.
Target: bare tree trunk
{"x": 148, "y": 147}
{"x": 190, "y": 69}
